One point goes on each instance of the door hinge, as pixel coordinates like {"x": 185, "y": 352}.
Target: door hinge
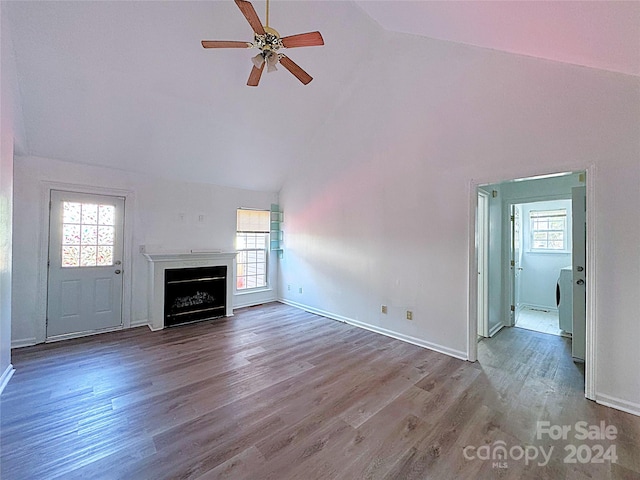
{"x": 513, "y": 218}
{"x": 513, "y": 263}
{"x": 513, "y": 308}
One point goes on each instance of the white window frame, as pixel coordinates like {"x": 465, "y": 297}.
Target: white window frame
{"x": 240, "y": 270}
{"x": 535, "y": 216}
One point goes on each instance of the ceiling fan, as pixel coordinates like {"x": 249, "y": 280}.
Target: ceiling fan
{"x": 269, "y": 42}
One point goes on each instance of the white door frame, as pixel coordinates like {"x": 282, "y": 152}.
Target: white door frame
{"x": 41, "y": 294}
{"x": 591, "y": 330}
{"x": 482, "y": 239}
{"x": 510, "y": 264}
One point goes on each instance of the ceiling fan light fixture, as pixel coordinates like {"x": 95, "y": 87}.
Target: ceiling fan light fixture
{"x": 272, "y": 61}
{"x": 258, "y": 60}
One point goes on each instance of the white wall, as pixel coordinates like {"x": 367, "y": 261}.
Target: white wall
{"x": 12, "y": 136}
{"x": 379, "y": 210}
{"x": 165, "y": 218}
{"x": 6, "y": 205}
{"x": 540, "y": 270}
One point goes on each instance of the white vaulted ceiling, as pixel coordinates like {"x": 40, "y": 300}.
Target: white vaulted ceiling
{"x": 127, "y": 84}
{"x": 598, "y": 34}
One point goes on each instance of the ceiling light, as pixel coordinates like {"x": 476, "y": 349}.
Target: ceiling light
{"x": 258, "y": 60}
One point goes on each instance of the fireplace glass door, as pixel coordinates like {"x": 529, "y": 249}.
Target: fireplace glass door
{"x": 194, "y": 294}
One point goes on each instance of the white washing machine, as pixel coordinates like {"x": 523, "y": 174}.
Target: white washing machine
{"x": 564, "y": 299}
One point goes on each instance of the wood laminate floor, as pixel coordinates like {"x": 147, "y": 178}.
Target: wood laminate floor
{"x": 278, "y": 393}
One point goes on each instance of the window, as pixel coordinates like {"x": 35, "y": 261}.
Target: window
{"x": 88, "y": 234}
{"x": 549, "y": 230}
{"x": 252, "y": 243}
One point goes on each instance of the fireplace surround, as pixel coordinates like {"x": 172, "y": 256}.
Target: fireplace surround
{"x": 206, "y": 269}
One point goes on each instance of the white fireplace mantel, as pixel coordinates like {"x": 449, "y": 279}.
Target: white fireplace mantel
{"x": 159, "y": 262}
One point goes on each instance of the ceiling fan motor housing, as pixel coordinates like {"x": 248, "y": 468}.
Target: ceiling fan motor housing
{"x": 269, "y": 42}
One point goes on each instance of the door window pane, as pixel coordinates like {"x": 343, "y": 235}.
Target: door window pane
{"x": 70, "y": 256}
{"x": 88, "y": 234}
{"x": 105, "y": 255}
{"x": 72, "y": 212}
{"x": 106, "y": 214}
{"x": 71, "y": 234}
{"x": 88, "y": 256}
{"x": 89, "y": 214}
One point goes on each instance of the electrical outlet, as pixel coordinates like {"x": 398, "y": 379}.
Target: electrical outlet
{"x": 300, "y": 290}
{"x": 384, "y": 309}
{"x": 288, "y": 288}
{"x": 409, "y": 315}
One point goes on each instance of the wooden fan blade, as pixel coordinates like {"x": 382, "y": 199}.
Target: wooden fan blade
{"x": 252, "y": 17}
{"x": 310, "y": 39}
{"x": 297, "y": 72}
{"x": 225, "y": 44}
{"x": 254, "y": 76}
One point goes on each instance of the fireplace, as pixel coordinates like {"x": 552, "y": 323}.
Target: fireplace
{"x": 194, "y": 294}
{"x": 196, "y": 285}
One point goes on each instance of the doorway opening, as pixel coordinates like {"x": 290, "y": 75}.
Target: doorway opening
{"x": 530, "y": 259}
{"x": 542, "y": 253}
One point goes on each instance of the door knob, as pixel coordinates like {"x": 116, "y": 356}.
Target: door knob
{"x": 118, "y": 272}
{"x": 580, "y": 282}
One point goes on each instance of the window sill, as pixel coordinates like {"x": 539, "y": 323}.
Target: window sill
{"x": 253, "y": 290}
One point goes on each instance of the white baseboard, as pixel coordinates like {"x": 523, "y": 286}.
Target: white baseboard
{"x": 251, "y": 303}
{"x": 317, "y": 311}
{"x": 382, "y": 331}
{"x": 24, "y": 342}
{"x": 139, "y": 323}
{"x": 6, "y": 376}
{"x": 70, "y": 336}
{"x": 495, "y": 329}
{"x": 618, "y": 404}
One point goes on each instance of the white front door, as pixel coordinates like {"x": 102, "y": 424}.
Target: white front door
{"x": 85, "y": 264}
